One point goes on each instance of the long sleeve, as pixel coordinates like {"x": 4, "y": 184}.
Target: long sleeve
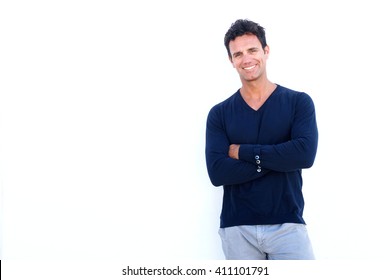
{"x": 222, "y": 169}
{"x": 298, "y": 152}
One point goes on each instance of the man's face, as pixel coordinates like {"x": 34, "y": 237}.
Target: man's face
{"x": 248, "y": 57}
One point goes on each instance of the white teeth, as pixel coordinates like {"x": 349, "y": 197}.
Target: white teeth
{"x": 250, "y": 68}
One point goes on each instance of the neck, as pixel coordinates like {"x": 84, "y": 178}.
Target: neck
{"x": 255, "y": 94}
{"x": 257, "y": 89}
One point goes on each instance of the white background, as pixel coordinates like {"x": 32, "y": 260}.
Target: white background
{"x": 103, "y": 109}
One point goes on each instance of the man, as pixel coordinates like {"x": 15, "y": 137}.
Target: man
{"x": 257, "y": 143}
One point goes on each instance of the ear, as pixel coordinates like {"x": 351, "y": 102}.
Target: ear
{"x": 266, "y": 50}
{"x": 231, "y": 61}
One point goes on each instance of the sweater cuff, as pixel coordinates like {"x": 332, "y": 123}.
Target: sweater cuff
{"x": 251, "y": 154}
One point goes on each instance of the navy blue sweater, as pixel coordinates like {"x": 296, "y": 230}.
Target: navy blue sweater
{"x": 276, "y": 142}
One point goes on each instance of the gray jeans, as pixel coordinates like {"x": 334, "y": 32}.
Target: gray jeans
{"x": 287, "y": 241}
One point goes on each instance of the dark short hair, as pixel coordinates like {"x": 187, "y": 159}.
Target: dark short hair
{"x": 242, "y": 27}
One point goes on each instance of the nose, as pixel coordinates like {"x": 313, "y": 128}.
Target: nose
{"x": 246, "y": 58}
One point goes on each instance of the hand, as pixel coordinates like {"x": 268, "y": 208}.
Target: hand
{"x": 233, "y": 151}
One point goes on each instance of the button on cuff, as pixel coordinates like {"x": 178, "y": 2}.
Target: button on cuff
{"x": 257, "y": 158}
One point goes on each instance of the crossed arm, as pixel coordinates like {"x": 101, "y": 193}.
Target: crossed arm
{"x": 234, "y": 163}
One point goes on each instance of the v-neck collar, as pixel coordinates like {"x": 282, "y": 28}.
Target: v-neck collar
{"x": 246, "y": 105}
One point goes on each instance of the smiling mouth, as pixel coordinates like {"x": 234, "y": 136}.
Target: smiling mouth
{"x": 249, "y": 68}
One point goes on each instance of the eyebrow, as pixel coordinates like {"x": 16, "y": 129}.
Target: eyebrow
{"x": 250, "y": 49}
{"x": 237, "y": 53}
